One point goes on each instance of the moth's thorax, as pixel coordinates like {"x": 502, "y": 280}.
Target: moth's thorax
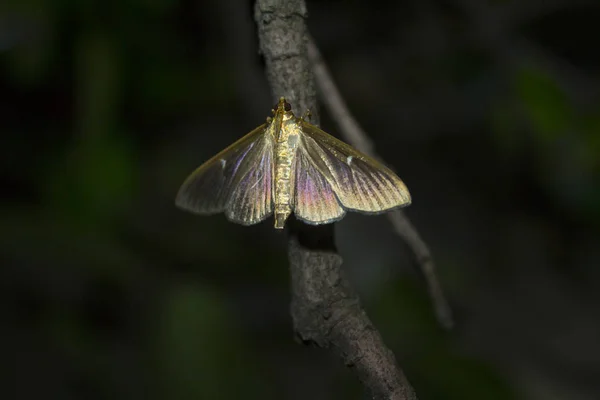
{"x": 286, "y": 141}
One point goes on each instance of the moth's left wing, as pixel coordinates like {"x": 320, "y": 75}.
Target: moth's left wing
{"x": 236, "y": 181}
{"x": 360, "y": 183}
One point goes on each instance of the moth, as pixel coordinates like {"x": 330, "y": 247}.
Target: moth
{"x": 289, "y": 165}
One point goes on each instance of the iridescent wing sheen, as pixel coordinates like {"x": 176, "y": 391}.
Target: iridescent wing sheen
{"x": 314, "y": 200}
{"x": 359, "y": 182}
{"x": 237, "y": 181}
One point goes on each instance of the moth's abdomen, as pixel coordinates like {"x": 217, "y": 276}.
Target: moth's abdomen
{"x": 285, "y": 149}
{"x": 283, "y": 170}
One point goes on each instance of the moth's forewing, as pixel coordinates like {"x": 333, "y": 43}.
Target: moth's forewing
{"x": 237, "y": 181}
{"x": 359, "y": 182}
{"x": 314, "y": 200}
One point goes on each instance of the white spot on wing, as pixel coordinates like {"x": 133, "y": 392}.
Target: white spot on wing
{"x": 349, "y": 160}
{"x": 223, "y": 163}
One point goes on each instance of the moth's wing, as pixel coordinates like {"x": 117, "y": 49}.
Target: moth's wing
{"x": 314, "y": 200}
{"x": 359, "y": 182}
{"x": 237, "y": 181}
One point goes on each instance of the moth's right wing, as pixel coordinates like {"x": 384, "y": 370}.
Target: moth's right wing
{"x": 359, "y": 182}
{"x": 237, "y": 181}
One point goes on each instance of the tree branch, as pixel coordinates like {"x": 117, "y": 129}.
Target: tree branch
{"x": 357, "y": 137}
{"x": 325, "y": 309}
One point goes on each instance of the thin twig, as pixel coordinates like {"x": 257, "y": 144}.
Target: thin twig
{"x": 325, "y": 309}
{"x": 356, "y": 136}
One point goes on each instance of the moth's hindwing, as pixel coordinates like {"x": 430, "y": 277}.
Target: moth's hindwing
{"x": 314, "y": 199}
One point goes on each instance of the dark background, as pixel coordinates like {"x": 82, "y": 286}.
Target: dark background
{"x": 489, "y": 111}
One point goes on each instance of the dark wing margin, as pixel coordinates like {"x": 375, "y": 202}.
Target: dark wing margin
{"x": 237, "y": 181}
{"x": 359, "y": 182}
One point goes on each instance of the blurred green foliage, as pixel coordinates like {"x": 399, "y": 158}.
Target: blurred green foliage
{"x": 562, "y": 136}
{"x": 201, "y": 349}
{"x": 546, "y": 105}
{"x": 439, "y": 367}
{"x": 95, "y": 181}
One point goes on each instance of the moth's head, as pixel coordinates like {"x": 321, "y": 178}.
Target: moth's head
{"x": 282, "y": 106}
